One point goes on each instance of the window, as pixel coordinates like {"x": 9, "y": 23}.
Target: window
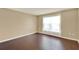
{"x": 52, "y": 24}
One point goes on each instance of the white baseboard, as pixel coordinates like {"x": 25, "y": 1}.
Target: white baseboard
{"x": 16, "y": 37}
{"x": 61, "y": 36}
{"x": 34, "y": 33}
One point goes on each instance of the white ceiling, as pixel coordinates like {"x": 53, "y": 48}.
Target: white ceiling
{"x": 39, "y": 11}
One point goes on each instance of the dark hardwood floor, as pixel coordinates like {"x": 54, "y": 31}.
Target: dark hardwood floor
{"x": 39, "y": 42}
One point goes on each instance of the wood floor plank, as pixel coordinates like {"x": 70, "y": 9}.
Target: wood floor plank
{"x": 39, "y": 42}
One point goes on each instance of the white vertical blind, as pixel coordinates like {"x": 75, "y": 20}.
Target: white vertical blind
{"x": 52, "y": 24}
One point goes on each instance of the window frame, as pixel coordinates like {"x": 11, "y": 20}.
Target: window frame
{"x": 52, "y": 16}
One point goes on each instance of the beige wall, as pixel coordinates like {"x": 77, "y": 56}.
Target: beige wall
{"x": 69, "y": 23}
{"x": 13, "y": 24}
{"x": 78, "y": 25}
{"x": 39, "y": 20}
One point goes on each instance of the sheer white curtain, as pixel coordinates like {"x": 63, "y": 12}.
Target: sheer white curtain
{"x": 52, "y": 24}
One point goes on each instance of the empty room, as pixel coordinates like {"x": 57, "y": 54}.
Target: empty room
{"x": 39, "y": 29}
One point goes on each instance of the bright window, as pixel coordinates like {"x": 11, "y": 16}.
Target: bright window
{"x": 52, "y": 24}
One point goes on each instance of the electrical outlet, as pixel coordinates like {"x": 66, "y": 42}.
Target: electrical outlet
{"x": 78, "y": 41}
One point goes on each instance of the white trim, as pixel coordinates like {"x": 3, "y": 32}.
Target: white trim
{"x": 34, "y": 33}
{"x": 61, "y": 36}
{"x": 16, "y": 37}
